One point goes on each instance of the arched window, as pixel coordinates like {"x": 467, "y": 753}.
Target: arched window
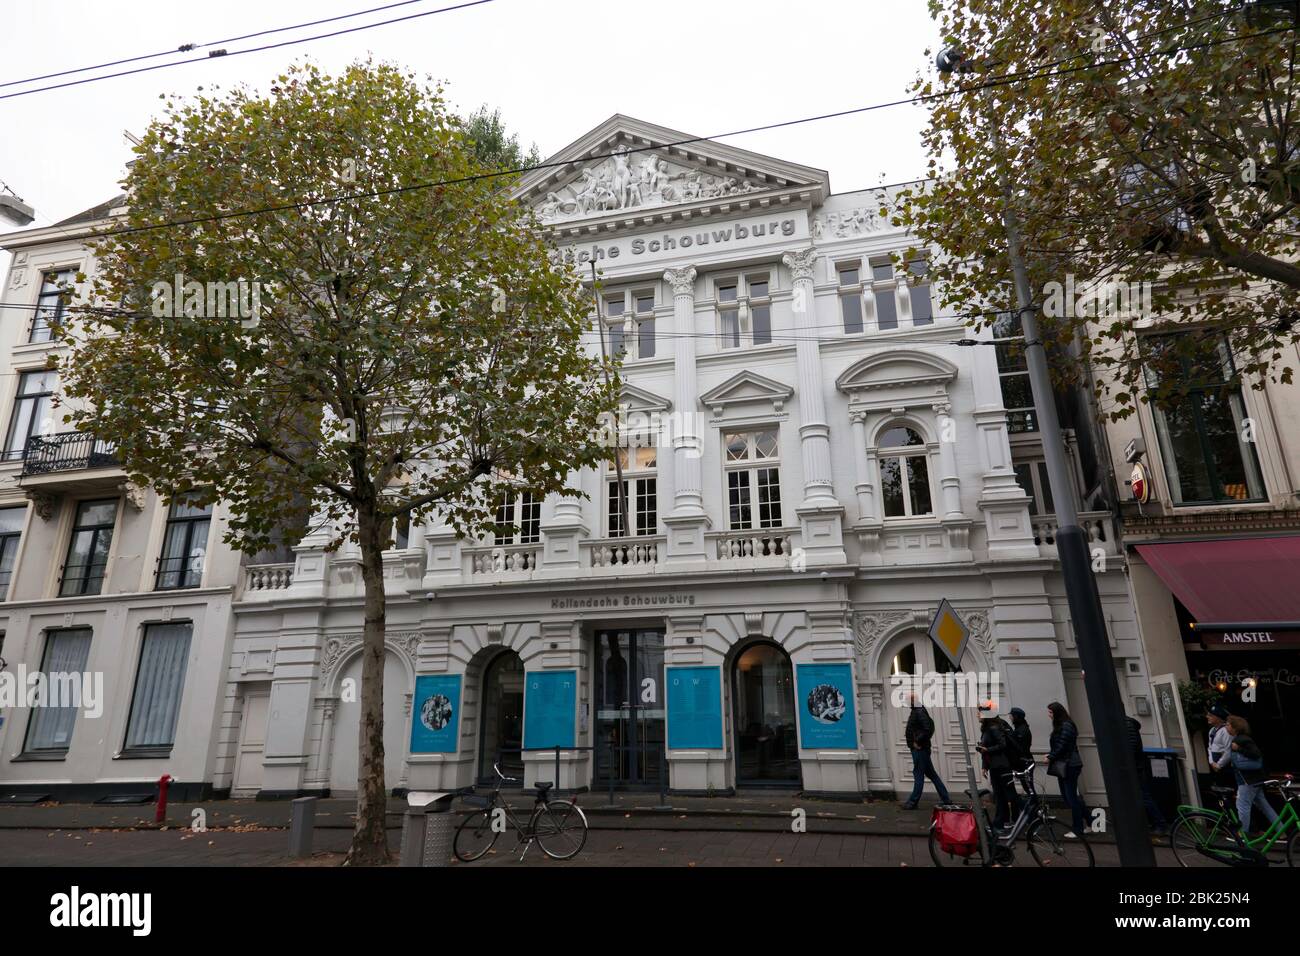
{"x": 904, "y": 474}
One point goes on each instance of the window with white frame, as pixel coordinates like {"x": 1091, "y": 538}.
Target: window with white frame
{"x": 918, "y": 291}
{"x": 850, "y": 292}
{"x": 904, "y": 474}
{"x": 49, "y": 731}
{"x": 519, "y": 519}
{"x": 33, "y": 411}
{"x": 185, "y": 543}
{"x": 1032, "y": 477}
{"x": 883, "y": 286}
{"x": 744, "y": 310}
{"x": 640, "y": 490}
{"x": 751, "y": 460}
{"x": 56, "y": 290}
{"x": 159, "y": 681}
{"x": 11, "y": 531}
{"x": 630, "y": 323}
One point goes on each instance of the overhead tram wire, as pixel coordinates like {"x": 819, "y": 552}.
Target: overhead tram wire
{"x": 187, "y": 47}
{"x": 255, "y": 49}
{"x": 519, "y": 170}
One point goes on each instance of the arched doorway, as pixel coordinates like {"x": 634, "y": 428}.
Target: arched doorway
{"x": 347, "y": 725}
{"x": 501, "y": 717}
{"x": 912, "y": 655}
{"x": 763, "y": 708}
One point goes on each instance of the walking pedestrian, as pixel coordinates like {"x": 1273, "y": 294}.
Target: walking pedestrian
{"x": 1065, "y": 764}
{"x": 918, "y": 733}
{"x": 1219, "y": 738}
{"x": 1023, "y": 736}
{"x": 1154, "y": 816}
{"x": 1247, "y": 762}
{"x": 999, "y": 759}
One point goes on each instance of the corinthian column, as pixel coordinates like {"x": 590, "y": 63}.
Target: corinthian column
{"x": 687, "y": 522}
{"x": 820, "y": 514}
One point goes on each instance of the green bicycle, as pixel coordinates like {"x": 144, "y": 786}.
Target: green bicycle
{"x": 1202, "y": 837}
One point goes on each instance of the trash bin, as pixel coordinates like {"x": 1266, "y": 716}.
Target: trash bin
{"x": 1165, "y": 775}
{"x": 427, "y": 829}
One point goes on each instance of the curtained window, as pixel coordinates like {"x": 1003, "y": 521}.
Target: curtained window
{"x": 156, "y": 702}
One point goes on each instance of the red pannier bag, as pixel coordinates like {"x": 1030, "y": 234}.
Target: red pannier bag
{"x": 955, "y": 831}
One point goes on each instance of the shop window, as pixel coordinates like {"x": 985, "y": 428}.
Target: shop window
{"x": 904, "y": 474}
{"x": 1206, "y": 443}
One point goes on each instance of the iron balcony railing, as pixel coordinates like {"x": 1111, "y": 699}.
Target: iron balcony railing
{"x": 66, "y": 451}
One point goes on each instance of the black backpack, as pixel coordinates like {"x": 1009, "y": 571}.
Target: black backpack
{"x": 1014, "y": 752}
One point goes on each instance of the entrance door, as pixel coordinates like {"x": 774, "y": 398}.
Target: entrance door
{"x": 502, "y": 717}
{"x": 762, "y": 694}
{"x": 252, "y": 742}
{"x": 917, "y": 655}
{"x": 345, "y": 753}
{"x": 630, "y": 709}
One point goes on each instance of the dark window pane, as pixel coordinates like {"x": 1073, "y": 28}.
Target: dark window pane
{"x": 851, "y": 310}
{"x": 731, "y": 329}
{"x": 922, "y": 310}
{"x": 848, "y": 277}
{"x": 886, "y": 310}
{"x": 891, "y": 487}
{"x": 645, "y": 332}
{"x": 738, "y": 500}
{"x": 1026, "y": 483}
{"x": 761, "y": 318}
{"x": 882, "y": 271}
{"x": 727, "y": 293}
{"x": 769, "y": 498}
{"x": 918, "y": 484}
{"x": 900, "y": 438}
{"x": 1045, "y": 486}
{"x": 758, "y": 290}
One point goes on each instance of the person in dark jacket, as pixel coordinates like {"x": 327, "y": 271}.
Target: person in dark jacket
{"x": 919, "y": 730}
{"x": 1023, "y": 736}
{"x": 1063, "y": 757}
{"x": 1247, "y": 763}
{"x": 1154, "y": 816}
{"x": 998, "y": 751}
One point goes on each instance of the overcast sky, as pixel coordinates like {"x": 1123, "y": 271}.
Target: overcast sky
{"x": 555, "y": 68}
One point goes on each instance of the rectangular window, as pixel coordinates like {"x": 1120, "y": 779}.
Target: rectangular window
{"x": 760, "y": 311}
{"x": 11, "y": 531}
{"x": 918, "y": 292}
{"x": 185, "y": 543}
{"x": 33, "y": 412}
{"x": 641, "y": 488}
{"x": 883, "y": 290}
{"x": 729, "y": 316}
{"x": 56, "y": 289}
{"x": 520, "y": 516}
{"x": 1013, "y": 370}
{"x": 615, "y": 326}
{"x": 49, "y": 731}
{"x": 1032, "y": 477}
{"x": 159, "y": 680}
{"x": 904, "y": 474}
{"x": 753, "y": 478}
{"x": 744, "y": 319}
{"x": 1206, "y": 447}
{"x": 645, "y": 326}
{"x": 92, "y": 537}
{"x": 851, "y": 298}
{"x": 402, "y": 531}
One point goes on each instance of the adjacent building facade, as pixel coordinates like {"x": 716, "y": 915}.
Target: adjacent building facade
{"x": 810, "y": 464}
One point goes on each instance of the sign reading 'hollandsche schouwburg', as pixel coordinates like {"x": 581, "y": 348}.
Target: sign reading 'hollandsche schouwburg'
{"x": 753, "y": 231}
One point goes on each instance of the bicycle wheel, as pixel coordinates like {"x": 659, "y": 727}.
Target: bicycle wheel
{"x": 1049, "y": 846}
{"x": 560, "y": 828}
{"x": 474, "y": 837}
{"x": 942, "y": 857}
{"x": 1202, "y": 839}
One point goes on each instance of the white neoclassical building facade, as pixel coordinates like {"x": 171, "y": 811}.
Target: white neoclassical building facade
{"x": 812, "y": 465}
{"x": 815, "y": 465}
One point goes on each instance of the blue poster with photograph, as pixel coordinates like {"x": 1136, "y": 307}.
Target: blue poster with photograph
{"x": 695, "y": 708}
{"x": 550, "y": 698}
{"x": 435, "y": 715}
{"x": 825, "y": 702}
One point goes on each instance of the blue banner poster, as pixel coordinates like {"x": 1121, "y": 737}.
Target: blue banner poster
{"x": 825, "y": 702}
{"x": 550, "y": 698}
{"x": 695, "y": 708}
{"x": 435, "y": 718}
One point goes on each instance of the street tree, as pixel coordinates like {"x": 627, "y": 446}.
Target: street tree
{"x": 387, "y": 338}
{"x": 1153, "y": 147}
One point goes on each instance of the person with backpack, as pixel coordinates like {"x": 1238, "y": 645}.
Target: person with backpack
{"x": 1023, "y": 737}
{"x": 1065, "y": 764}
{"x": 1001, "y": 755}
{"x": 1247, "y": 762}
{"x": 919, "y": 731}
{"x": 1154, "y": 816}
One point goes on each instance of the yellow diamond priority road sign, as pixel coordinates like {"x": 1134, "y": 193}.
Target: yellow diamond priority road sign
{"x": 949, "y": 633}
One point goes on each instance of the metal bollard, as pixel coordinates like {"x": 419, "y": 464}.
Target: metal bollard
{"x": 302, "y": 820}
{"x": 427, "y": 829}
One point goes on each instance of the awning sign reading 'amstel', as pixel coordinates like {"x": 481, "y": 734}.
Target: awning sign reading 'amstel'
{"x": 949, "y": 633}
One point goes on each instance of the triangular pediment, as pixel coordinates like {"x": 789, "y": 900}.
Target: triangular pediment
{"x": 746, "y": 388}
{"x": 894, "y": 368}
{"x": 639, "y": 400}
{"x": 626, "y": 167}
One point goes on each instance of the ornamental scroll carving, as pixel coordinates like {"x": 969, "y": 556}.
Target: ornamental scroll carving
{"x": 624, "y": 182}
{"x": 338, "y": 648}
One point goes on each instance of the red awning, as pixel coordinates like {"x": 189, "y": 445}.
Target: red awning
{"x": 1243, "y": 580}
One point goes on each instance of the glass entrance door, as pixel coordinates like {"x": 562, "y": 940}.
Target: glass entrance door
{"x": 767, "y": 746}
{"x": 629, "y": 709}
{"x": 502, "y": 718}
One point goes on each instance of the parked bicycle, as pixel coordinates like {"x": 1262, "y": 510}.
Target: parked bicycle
{"x": 1203, "y": 837}
{"x": 558, "y": 826}
{"x": 1044, "y": 834}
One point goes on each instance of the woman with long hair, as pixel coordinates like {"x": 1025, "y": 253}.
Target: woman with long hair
{"x": 1064, "y": 762}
